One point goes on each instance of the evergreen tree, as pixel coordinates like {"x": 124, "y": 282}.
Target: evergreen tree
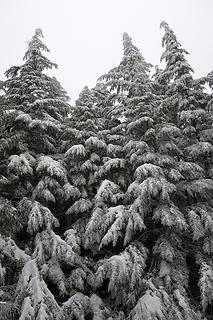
{"x": 33, "y": 185}
{"x": 155, "y": 211}
{"x": 81, "y": 122}
{"x": 106, "y": 208}
{"x": 130, "y": 94}
{"x": 185, "y": 105}
{"x": 32, "y": 119}
{"x": 84, "y": 151}
{"x": 36, "y": 101}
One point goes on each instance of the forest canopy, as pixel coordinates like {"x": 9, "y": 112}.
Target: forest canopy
{"x": 106, "y": 206}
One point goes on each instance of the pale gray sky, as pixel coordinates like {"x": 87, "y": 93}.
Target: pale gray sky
{"x": 85, "y": 36}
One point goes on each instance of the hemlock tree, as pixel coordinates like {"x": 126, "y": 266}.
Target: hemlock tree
{"x": 119, "y": 80}
{"x": 127, "y": 83}
{"x": 36, "y": 101}
{"x": 81, "y": 122}
{"x": 127, "y": 172}
{"x": 32, "y": 186}
{"x": 155, "y": 212}
{"x": 84, "y": 150}
{"x": 185, "y": 105}
{"x": 35, "y": 107}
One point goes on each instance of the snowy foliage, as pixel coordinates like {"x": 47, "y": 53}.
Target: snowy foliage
{"x": 201, "y": 149}
{"x": 2, "y": 274}
{"x": 53, "y": 176}
{"x": 108, "y": 193}
{"x": 80, "y": 306}
{"x": 8, "y": 248}
{"x": 191, "y": 170}
{"x": 124, "y": 273}
{"x": 51, "y": 167}
{"x": 157, "y": 304}
{"x": 95, "y": 143}
{"x": 40, "y": 218}
{"x": 21, "y": 165}
{"x": 148, "y": 170}
{"x": 205, "y": 283}
{"x": 170, "y": 216}
{"x": 49, "y": 246}
{"x": 106, "y": 208}
{"x": 70, "y": 191}
{"x": 34, "y": 296}
{"x": 72, "y": 239}
{"x": 76, "y": 150}
{"x": 80, "y": 206}
{"x": 10, "y": 222}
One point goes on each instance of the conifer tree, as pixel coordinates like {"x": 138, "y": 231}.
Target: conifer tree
{"x": 83, "y": 155}
{"x": 185, "y": 106}
{"x": 32, "y": 185}
{"x": 126, "y": 173}
{"x": 154, "y": 211}
{"x": 36, "y": 101}
{"x": 35, "y": 106}
{"x": 127, "y": 83}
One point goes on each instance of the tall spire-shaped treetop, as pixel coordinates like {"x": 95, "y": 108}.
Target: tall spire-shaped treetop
{"x": 139, "y": 101}
{"x": 120, "y": 78}
{"x": 34, "y": 53}
{"x": 36, "y": 103}
{"x": 185, "y": 101}
{"x": 129, "y": 84}
{"x": 177, "y": 67}
{"x": 132, "y": 55}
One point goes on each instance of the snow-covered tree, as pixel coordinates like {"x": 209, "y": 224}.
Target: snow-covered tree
{"x": 81, "y": 123}
{"x": 33, "y": 176}
{"x": 185, "y": 106}
{"x": 169, "y": 173}
{"x": 35, "y": 102}
{"x": 85, "y": 150}
{"x": 106, "y": 208}
{"x": 32, "y": 120}
{"x": 131, "y": 108}
{"x": 185, "y": 100}
{"x": 35, "y": 299}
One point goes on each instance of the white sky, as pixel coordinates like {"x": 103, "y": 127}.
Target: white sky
{"x": 85, "y": 36}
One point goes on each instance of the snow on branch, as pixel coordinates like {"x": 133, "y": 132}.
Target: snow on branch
{"x": 148, "y": 170}
{"x": 80, "y": 306}
{"x": 124, "y": 273}
{"x": 9, "y": 249}
{"x": 21, "y": 165}
{"x": 95, "y": 143}
{"x": 157, "y": 304}
{"x": 33, "y": 295}
{"x": 206, "y": 284}
{"x": 40, "y": 218}
{"x": 198, "y": 150}
{"x": 77, "y": 150}
{"x": 51, "y": 167}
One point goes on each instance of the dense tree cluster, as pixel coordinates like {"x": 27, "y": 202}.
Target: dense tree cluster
{"x": 106, "y": 207}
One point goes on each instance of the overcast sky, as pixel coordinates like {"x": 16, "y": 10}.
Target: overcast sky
{"x": 85, "y": 36}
